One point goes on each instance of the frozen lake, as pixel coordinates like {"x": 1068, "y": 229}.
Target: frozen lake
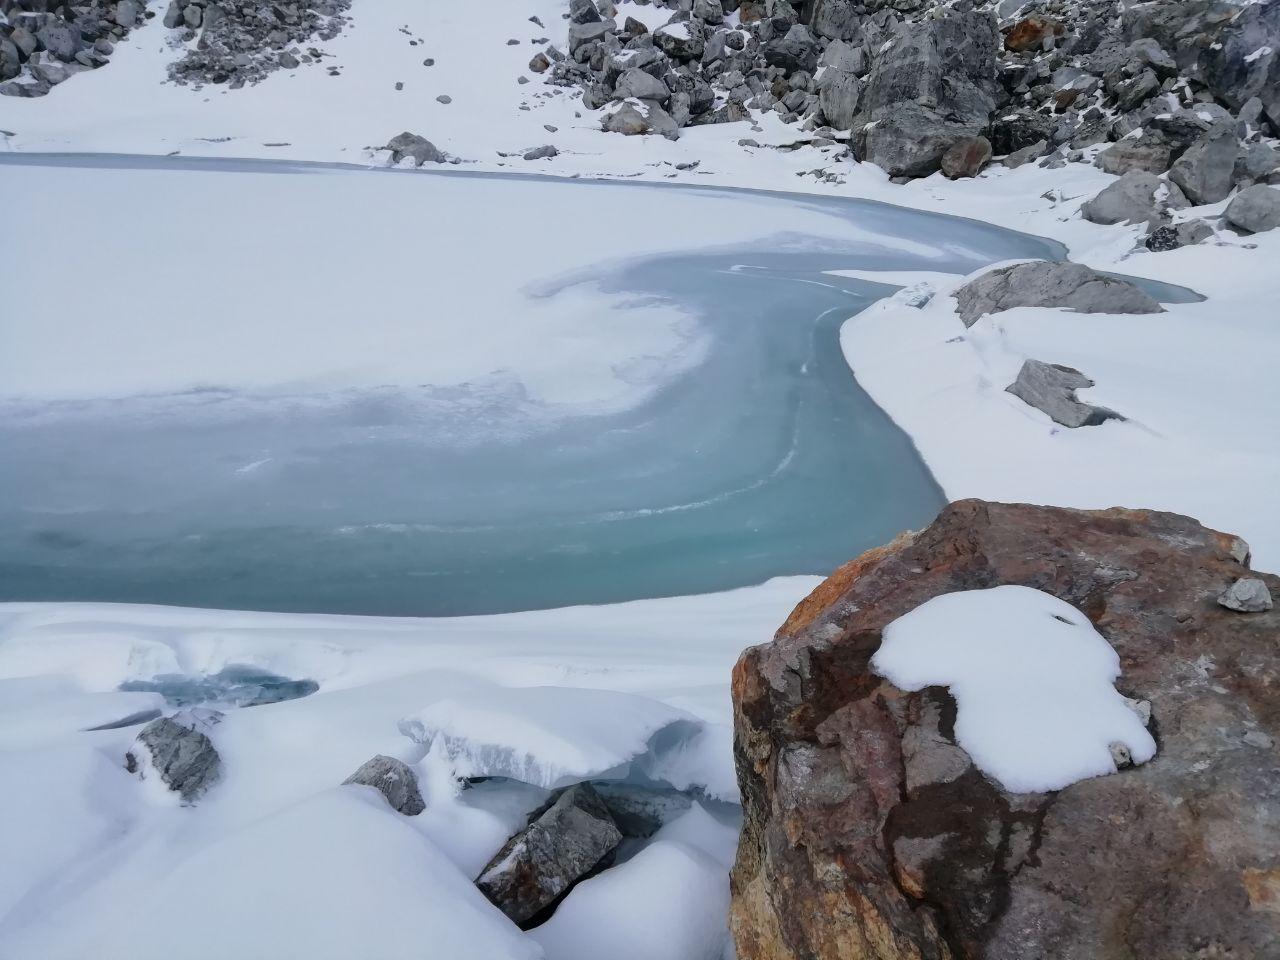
{"x": 319, "y": 389}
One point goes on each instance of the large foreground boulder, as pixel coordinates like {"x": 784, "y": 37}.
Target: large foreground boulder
{"x": 1045, "y": 283}
{"x": 1254, "y": 209}
{"x": 870, "y": 832}
{"x": 564, "y": 841}
{"x": 179, "y": 750}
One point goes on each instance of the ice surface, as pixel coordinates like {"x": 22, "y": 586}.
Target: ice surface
{"x": 1033, "y": 683}
{"x": 550, "y": 736}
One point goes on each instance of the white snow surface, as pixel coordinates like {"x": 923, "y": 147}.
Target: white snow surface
{"x": 278, "y": 859}
{"x": 1036, "y": 707}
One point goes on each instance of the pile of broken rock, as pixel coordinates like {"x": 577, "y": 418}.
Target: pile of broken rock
{"x": 1183, "y": 93}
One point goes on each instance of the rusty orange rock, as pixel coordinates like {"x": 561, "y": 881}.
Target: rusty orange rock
{"x": 869, "y": 833}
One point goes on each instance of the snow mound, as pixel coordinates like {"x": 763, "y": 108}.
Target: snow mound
{"x": 360, "y": 882}
{"x": 669, "y": 902}
{"x": 1032, "y": 679}
{"x": 552, "y": 736}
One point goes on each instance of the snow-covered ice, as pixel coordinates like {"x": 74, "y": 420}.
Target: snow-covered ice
{"x": 1033, "y": 681}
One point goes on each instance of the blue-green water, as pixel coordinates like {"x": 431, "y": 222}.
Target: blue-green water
{"x": 766, "y": 459}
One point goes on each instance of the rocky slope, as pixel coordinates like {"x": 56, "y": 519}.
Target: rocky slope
{"x": 870, "y": 833}
{"x": 1183, "y": 94}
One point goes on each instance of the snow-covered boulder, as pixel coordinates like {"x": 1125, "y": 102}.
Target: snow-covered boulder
{"x": 395, "y": 780}
{"x": 983, "y": 737}
{"x": 178, "y": 750}
{"x": 563, "y": 842}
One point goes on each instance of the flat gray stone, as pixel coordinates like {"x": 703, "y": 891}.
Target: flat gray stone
{"x": 1044, "y": 283}
{"x": 1051, "y": 388}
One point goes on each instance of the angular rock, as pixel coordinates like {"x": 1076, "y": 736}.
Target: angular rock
{"x": 395, "y": 780}
{"x": 838, "y": 92}
{"x": 966, "y": 158}
{"x": 1173, "y": 236}
{"x": 640, "y": 117}
{"x": 545, "y": 152}
{"x": 563, "y": 842}
{"x": 1247, "y": 595}
{"x": 1254, "y": 209}
{"x": 868, "y": 833}
{"x": 642, "y": 86}
{"x": 1150, "y": 152}
{"x": 1206, "y": 171}
{"x": 1044, "y": 283}
{"x": 1137, "y": 197}
{"x": 583, "y": 11}
{"x": 836, "y": 19}
{"x": 709, "y": 11}
{"x": 798, "y": 50}
{"x": 1018, "y": 130}
{"x": 933, "y": 85}
{"x": 178, "y": 749}
{"x": 1051, "y": 388}
{"x": 419, "y": 148}
{"x": 682, "y": 40}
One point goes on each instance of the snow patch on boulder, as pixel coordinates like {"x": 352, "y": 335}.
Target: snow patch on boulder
{"x": 1033, "y": 683}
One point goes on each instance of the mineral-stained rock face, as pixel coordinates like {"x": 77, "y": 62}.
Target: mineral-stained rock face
{"x": 869, "y": 833}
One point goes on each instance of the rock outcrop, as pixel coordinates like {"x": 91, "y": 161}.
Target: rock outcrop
{"x": 1044, "y": 283}
{"x": 179, "y": 750}
{"x": 395, "y": 780}
{"x": 869, "y": 832}
{"x": 564, "y": 841}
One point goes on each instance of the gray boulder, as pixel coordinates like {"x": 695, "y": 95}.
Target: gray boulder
{"x": 395, "y": 780}
{"x": 640, "y": 85}
{"x": 1137, "y": 197}
{"x": 583, "y": 11}
{"x": 180, "y": 751}
{"x": 1173, "y": 236}
{"x": 1254, "y": 209}
{"x": 642, "y": 117}
{"x": 1256, "y": 162}
{"x": 419, "y": 148}
{"x": 1051, "y": 388}
{"x": 545, "y": 152}
{"x": 1017, "y": 130}
{"x": 682, "y": 40}
{"x": 1151, "y": 152}
{"x": 580, "y": 34}
{"x": 838, "y": 93}
{"x": 933, "y": 85}
{"x": 1246, "y": 595}
{"x": 59, "y": 39}
{"x": 1206, "y": 171}
{"x": 126, "y": 13}
{"x": 836, "y": 19}
{"x": 563, "y": 842}
{"x": 710, "y": 11}
{"x": 797, "y": 50}
{"x": 1043, "y": 283}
